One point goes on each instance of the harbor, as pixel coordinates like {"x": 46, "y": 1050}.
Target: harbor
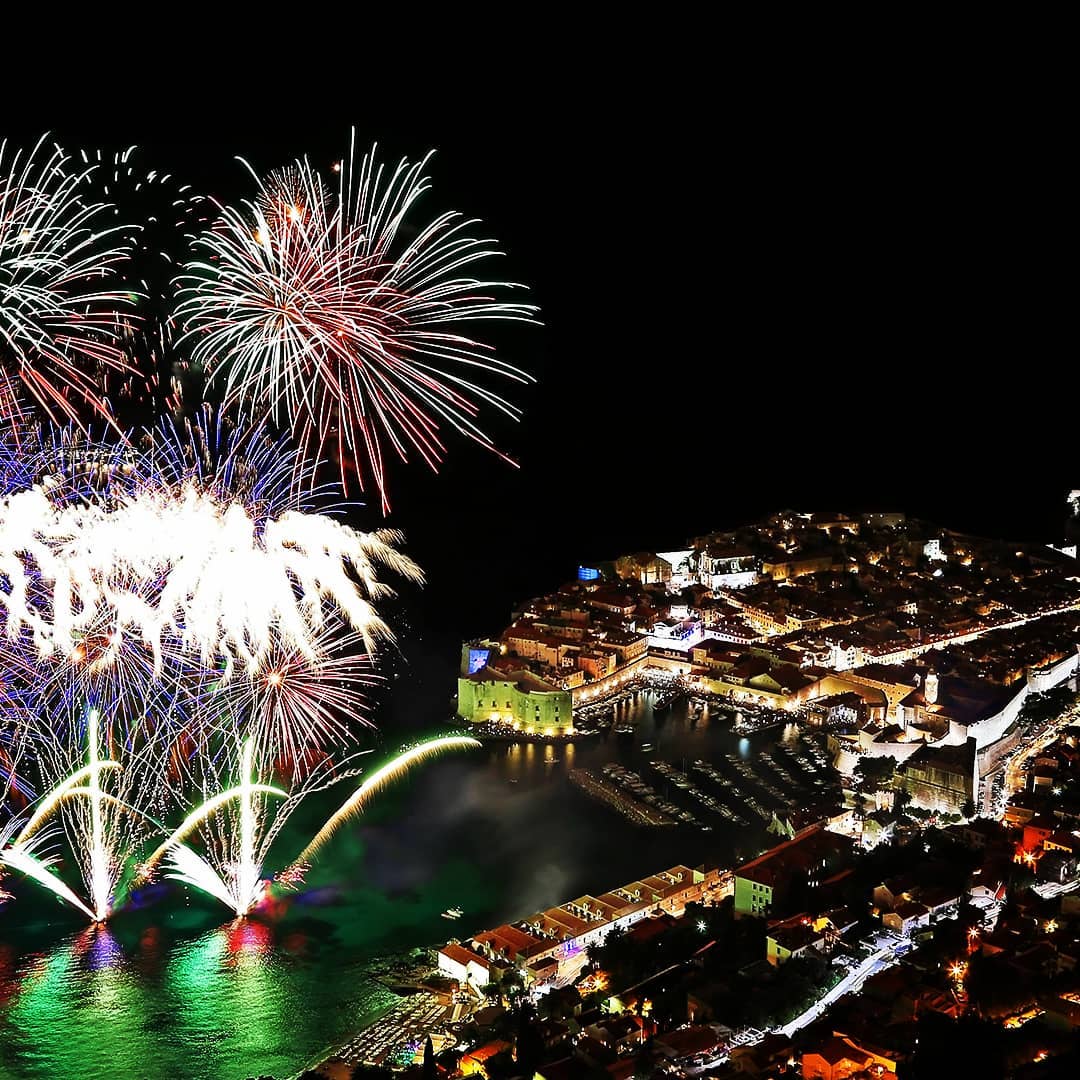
{"x": 521, "y": 836}
{"x": 606, "y": 789}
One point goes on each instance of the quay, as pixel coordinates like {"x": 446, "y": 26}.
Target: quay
{"x": 640, "y": 813}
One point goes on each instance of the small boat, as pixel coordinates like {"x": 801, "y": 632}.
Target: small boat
{"x": 453, "y": 913}
{"x": 646, "y": 746}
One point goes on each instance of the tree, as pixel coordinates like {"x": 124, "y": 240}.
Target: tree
{"x": 529, "y": 1044}
{"x": 874, "y": 772}
{"x": 429, "y": 1060}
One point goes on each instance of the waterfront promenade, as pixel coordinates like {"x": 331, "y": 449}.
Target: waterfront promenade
{"x": 396, "y": 1037}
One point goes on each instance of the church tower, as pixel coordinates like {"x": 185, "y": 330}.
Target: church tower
{"x": 931, "y": 688}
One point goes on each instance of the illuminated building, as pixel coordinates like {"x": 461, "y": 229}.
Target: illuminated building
{"x": 465, "y": 966}
{"x": 942, "y": 778}
{"x": 551, "y": 944}
{"x": 796, "y": 566}
{"x": 475, "y": 1061}
{"x": 907, "y": 917}
{"x": 840, "y": 1057}
{"x": 761, "y": 885}
{"x": 932, "y": 551}
{"x": 518, "y": 699}
{"x": 798, "y": 936}
{"x": 646, "y": 567}
{"x": 725, "y": 565}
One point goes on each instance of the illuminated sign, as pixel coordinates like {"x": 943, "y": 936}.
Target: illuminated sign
{"x": 587, "y": 573}
{"x": 478, "y": 659}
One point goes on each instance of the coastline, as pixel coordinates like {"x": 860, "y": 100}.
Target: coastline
{"x": 416, "y": 1010}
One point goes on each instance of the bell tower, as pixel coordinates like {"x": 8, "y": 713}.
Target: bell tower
{"x": 931, "y": 688}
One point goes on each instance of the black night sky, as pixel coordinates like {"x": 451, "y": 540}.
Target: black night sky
{"x": 831, "y": 305}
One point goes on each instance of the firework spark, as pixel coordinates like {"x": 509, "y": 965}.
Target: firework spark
{"x": 103, "y": 805}
{"x": 236, "y": 825}
{"x": 325, "y": 307}
{"x": 377, "y": 781}
{"x": 186, "y": 630}
{"x": 299, "y": 707}
{"x": 23, "y": 859}
{"x": 186, "y": 568}
{"x": 59, "y": 322}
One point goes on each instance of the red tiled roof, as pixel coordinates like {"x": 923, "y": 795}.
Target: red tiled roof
{"x": 459, "y": 954}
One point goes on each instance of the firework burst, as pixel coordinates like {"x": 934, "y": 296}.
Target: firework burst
{"x": 187, "y": 624}
{"x": 323, "y": 306}
{"x": 188, "y": 568}
{"x": 59, "y": 252}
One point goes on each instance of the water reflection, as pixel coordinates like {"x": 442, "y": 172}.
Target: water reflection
{"x": 97, "y": 948}
{"x": 499, "y": 833}
{"x": 76, "y": 1001}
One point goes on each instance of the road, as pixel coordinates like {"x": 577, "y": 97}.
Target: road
{"x": 1015, "y": 780}
{"x": 877, "y": 961}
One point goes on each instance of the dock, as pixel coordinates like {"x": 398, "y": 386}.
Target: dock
{"x": 634, "y": 810}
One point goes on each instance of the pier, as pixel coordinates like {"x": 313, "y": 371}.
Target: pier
{"x": 640, "y": 813}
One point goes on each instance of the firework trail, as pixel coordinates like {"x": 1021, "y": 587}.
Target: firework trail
{"x": 96, "y": 800}
{"x": 169, "y": 214}
{"x": 59, "y": 253}
{"x": 236, "y": 824}
{"x": 237, "y": 828}
{"x": 186, "y": 629}
{"x": 172, "y": 586}
{"x": 324, "y": 306}
{"x": 28, "y": 859}
{"x": 377, "y": 781}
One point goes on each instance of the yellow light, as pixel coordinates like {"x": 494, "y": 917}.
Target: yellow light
{"x": 275, "y": 678}
{"x": 260, "y": 236}
{"x": 294, "y": 213}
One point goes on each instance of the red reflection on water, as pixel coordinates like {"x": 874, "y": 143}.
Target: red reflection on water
{"x": 148, "y": 959}
{"x": 9, "y": 984}
{"x": 247, "y": 937}
{"x": 275, "y": 900}
{"x": 296, "y": 942}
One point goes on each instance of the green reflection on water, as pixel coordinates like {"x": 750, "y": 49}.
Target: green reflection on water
{"x": 230, "y": 993}
{"x": 82, "y": 992}
{"x": 231, "y": 1003}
